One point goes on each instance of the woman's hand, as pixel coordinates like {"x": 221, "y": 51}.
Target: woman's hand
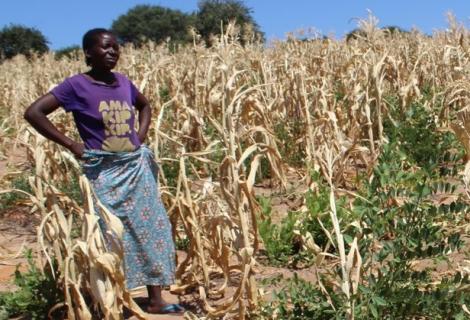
{"x": 77, "y": 149}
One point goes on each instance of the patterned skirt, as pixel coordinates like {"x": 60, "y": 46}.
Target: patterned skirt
{"x": 127, "y": 184}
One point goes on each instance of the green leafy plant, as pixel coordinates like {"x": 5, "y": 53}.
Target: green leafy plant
{"x": 10, "y": 199}
{"x": 401, "y": 224}
{"x": 279, "y": 238}
{"x": 398, "y": 212}
{"x": 298, "y": 300}
{"x": 401, "y": 214}
{"x": 37, "y": 293}
{"x": 182, "y": 243}
{"x": 318, "y": 216}
{"x": 72, "y": 189}
{"x": 289, "y": 132}
{"x": 282, "y": 239}
{"x": 417, "y": 133}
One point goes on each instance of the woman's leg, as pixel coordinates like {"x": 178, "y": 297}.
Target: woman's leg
{"x": 158, "y": 305}
{"x": 156, "y": 302}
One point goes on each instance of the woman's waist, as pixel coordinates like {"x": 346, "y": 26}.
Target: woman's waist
{"x": 93, "y": 158}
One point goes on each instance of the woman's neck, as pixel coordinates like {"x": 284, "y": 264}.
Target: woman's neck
{"x": 105, "y": 76}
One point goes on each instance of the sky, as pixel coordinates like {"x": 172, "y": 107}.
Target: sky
{"x": 64, "y": 22}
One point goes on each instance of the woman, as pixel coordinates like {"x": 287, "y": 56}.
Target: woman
{"x": 121, "y": 170}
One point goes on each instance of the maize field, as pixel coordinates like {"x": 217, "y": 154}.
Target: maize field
{"x": 216, "y": 132}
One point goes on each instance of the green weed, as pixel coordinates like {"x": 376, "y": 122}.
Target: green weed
{"x": 289, "y": 133}
{"x": 401, "y": 223}
{"x": 11, "y": 199}
{"x": 37, "y": 293}
{"x": 279, "y": 238}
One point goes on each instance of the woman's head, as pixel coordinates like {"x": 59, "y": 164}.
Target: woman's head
{"x": 101, "y": 48}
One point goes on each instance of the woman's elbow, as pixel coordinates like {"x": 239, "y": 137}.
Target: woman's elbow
{"x": 29, "y": 114}
{"x": 40, "y": 108}
{"x": 34, "y": 114}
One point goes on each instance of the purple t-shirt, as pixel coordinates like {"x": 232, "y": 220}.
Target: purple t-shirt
{"x": 104, "y": 114}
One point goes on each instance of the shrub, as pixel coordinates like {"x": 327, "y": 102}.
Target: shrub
{"x": 37, "y": 293}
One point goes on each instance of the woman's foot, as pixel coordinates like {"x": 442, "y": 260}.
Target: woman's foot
{"x": 158, "y": 308}
{"x": 158, "y": 305}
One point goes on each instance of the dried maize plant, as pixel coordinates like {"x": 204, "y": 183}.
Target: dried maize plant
{"x": 69, "y": 236}
{"x": 455, "y": 113}
{"x": 316, "y": 102}
{"x": 459, "y": 119}
{"x": 306, "y": 83}
{"x": 216, "y": 116}
{"x": 5, "y": 138}
{"x": 220, "y": 115}
{"x": 350, "y": 261}
{"x": 24, "y": 81}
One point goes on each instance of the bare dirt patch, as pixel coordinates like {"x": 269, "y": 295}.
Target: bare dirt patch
{"x": 17, "y": 235}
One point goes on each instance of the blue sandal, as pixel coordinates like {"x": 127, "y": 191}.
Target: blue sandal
{"x": 171, "y": 308}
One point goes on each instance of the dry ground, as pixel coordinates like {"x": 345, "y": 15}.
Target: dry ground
{"x": 18, "y": 233}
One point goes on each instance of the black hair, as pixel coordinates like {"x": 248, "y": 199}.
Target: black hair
{"x": 89, "y": 39}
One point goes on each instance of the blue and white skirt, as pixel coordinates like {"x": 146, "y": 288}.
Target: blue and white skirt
{"x": 126, "y": 183}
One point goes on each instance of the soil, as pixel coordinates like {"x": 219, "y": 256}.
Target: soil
{"x": 15, "y": 238}
{"x": 18, "y": 233}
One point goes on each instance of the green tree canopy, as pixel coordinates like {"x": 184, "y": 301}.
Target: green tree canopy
{"x": 395, "y": 30}
{"x": 156, "y": 23}
{"x": 18, "y": 39}
{"x": 69, "y": 52}
{"x": 356, "y": 34}
{"x": 212, "y": 12}
{"x": 389, "y": 31}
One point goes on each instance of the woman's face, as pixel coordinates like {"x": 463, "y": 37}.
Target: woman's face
{"x": 104, "y": 54}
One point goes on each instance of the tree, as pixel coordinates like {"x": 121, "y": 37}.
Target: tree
{"x": 394, "y": 30}
{"x": 359, "y": 33}
{"x": 18, "y": 39}
{"x": 356, "y": 34}
{"x": 212, "y": 12}
{"x": 69, "y": 52}
{"x": 156, "y": 23}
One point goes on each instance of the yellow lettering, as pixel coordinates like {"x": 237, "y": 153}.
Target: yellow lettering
{"x": 117, "y": 116}
{"x": 125, "y": 128}
{"x": 115, "y": 105}
{"x": 106, "y": 117}
{"x": 112, "y": 129}
{"x": 125, "y": 115}
{"x": 103, "y": 106}
{"x": 112, "y": 118}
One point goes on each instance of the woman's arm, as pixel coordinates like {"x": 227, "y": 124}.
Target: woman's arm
{"x": 36, "y": 115}
{"x": 145, "y": 115}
